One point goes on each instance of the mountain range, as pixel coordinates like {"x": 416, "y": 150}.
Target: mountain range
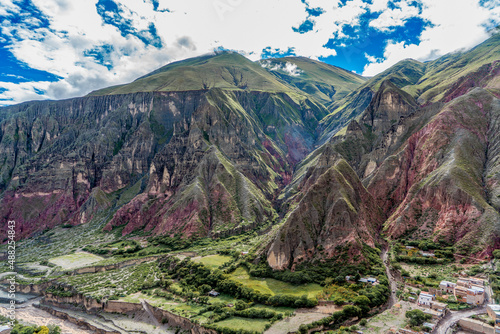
{"x": 219, "y": 145}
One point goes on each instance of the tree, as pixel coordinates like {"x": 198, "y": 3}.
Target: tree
{"x": 338, "y": 300}
{"x": 417, "y": 317}
{"x": 241, "y": 305}
{"x": 363, "y": 303}
{"x": 496, "y": 253}
{"x": 328, "y": 281}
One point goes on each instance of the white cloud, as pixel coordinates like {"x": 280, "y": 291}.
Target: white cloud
{"x": 287, "y": 67}
{"x": 24, "y": 91}
{"x": 457, "y": 24}
{"x": 394, "y": 17}
{"x": 194, "y": 27}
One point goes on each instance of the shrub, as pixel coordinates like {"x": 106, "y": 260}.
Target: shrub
{"x": 417, "y": 317}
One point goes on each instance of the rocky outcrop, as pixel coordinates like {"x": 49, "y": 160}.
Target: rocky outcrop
{"x": 336, "y": 211}
{"x": 176, "y": 162}
{"x": 436, "y": 188}
{"x": 386, "y": 108}
{"x": 431, "y": 171}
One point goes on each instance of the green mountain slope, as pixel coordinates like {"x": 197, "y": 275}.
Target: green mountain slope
{"x": 226, "y": 70}
{"x": 403, "y": 74}
{"x": 325, "y": 82}
{"x": 443, "y": 72}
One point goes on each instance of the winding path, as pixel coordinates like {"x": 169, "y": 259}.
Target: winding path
{"x": 452, "y": 317}
{"x": 393, "y": 286}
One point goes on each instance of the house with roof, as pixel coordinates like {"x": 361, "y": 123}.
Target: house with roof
{"x": 463, "y": 282}
{"x": 426, "y": 254}
{"x": 447, "y": 287}
{"x": 434, "y": 314}
{"x": 476, "y": 281}
{"x": 213, "y": 293}
{"x": 475, "y": 296}
{"x": 461, "y": 294}
{"x": 440, "y": 307}
{"x": 425, "y": 299}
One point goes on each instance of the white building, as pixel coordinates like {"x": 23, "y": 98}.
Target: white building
{"x": 447, "y": 287}
{"x": 425, "y": 299}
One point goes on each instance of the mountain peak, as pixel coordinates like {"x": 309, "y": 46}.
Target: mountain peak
{"x": 225, "y": 70}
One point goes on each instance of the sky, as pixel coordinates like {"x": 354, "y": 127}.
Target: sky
{"x": 56, "y": 49}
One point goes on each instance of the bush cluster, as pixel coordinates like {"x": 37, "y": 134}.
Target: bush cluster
{"x": 195, "y": 275}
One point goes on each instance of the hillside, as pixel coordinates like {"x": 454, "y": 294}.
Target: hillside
{"x": 217, "y": 145}
{"x": 430, "y": 166}
{"x": 325, "y": 82}
{"x": 225, "y": 70}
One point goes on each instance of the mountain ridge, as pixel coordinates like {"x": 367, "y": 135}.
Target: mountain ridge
{"x": 219, "y": 145}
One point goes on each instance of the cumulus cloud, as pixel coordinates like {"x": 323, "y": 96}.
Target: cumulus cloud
{"x": 94, "y": 44}
{"x": 455, "y": 25}
{"x": 394, "y": 17}
{"x": 287, "y": 67}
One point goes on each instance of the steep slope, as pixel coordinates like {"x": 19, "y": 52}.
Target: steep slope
{"x": 437, "y": 179}
{"x": 403, "y": 74}
{"x": 195, "y": 162}
{"x": 336, "y": 214}
{"x": 431, "y": 167}
{"x": 455, "y": 74}
{"x": 325, "y": 82}
{"x": 226, "y": 70}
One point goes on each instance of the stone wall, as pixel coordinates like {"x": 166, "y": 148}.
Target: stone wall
{"x": 35, "y": 289}
{"x": 78, "y": 322}
{"x": 174, "y": 320}
{"x": 114, "y": 306}
{"x": 476, "y": 326}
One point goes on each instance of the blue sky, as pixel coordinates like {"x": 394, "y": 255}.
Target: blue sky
{"x": 54, "y": 49}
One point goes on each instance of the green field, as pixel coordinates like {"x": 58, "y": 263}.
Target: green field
{"x": 275, "y": 287}
{"x": 248, "y": 324}
{"x": 75, "y": 260}
{"x": 212, "y": 261}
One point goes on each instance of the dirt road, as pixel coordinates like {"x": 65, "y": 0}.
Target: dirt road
{"x": 393, "y": 286}
{"x": 452, "y": 317}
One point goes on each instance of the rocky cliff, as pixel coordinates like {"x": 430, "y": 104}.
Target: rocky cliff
{"x": 429, "y": 168}
{"x": 189, "y": 162}
{"x": 217, "y": 145}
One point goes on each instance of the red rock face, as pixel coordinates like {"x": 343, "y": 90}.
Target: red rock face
{"x": 204, "y": 159}
{"x": 33, "y": 212}
{"x": 433, "y": 188}
{"x": 335, "y": 211}
{"x": 480, "y": 78}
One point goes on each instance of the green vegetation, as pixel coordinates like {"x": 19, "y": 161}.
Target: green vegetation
{"x": 417, "y": 317}
{"x": 236, "y": 324}
{"x": 496, "y": 254}
{"x": 123, "y": 247}
{"x": 213, "y": 261}
{"x": 225, "y": 70}
{"x": 196, "y": 279}
{"x": 114, "y": 284}
{"x": 411, "y": 251}
{"x": 323, "y": 81}
{"x": 274, "y": 287}
{"x": 28, "y": 329}
{"x": 75, "y": 260}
